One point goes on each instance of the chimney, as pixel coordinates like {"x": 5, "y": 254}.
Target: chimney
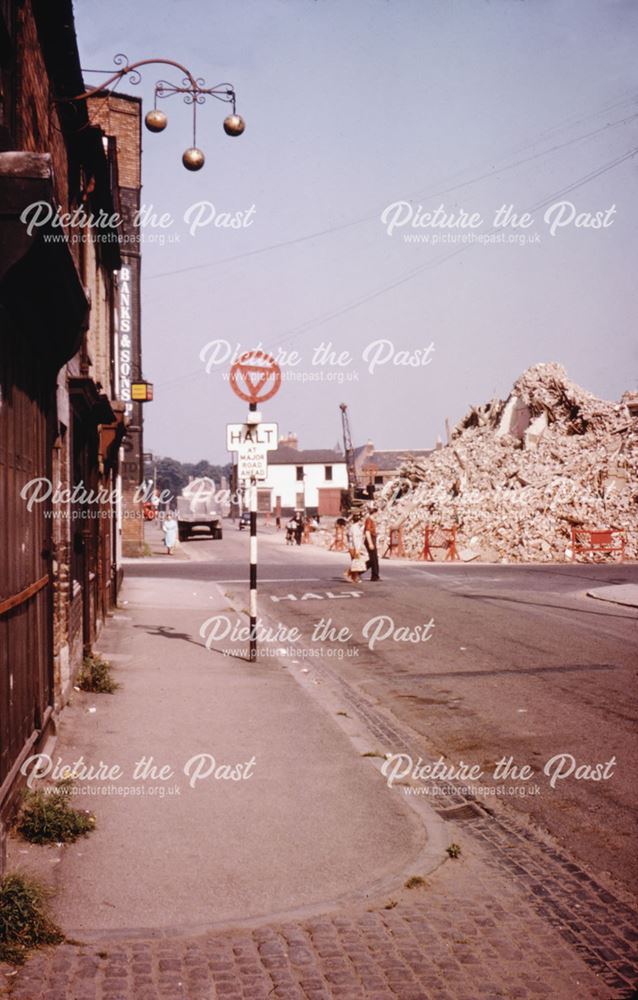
{"x": 289, "y": 441}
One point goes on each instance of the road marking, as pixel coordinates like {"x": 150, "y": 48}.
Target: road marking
{"x": 278, "y": 579}
{"x": 316, "y": 597}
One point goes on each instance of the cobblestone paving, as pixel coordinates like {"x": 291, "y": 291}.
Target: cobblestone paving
{"x": 469, "y": 933}
{"x": 596, "y": 923}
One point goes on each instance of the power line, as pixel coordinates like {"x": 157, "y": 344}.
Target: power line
{"x": 429, "y": 265}
{"x": 340, "y": 227}
{"x": 441, "y": 260}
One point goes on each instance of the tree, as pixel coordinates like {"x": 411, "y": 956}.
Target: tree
{"x": 171, "y": 476}
{"x": 204, "y": 468}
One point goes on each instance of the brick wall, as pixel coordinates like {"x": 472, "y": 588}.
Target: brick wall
{"x": 38, "y": 125}
{"x": 32, "y": 121}
{"x": 99, "y": 332}
{"x": 119, "y": 116}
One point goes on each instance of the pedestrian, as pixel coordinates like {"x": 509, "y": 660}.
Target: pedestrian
{"x": 370, "y": 541}
{"x": 299, "y": 526}
{"x": 290, "y": 531}
{"x": 170, "y": 532}
{"x": 356, "y": 548}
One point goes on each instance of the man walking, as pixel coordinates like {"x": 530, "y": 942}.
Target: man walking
{"x": 370, "y": 540}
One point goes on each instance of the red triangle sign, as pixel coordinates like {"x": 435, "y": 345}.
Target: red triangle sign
{"x": 252, "y": 382}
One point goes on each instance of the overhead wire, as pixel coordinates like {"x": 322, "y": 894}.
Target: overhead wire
{"x": 287, "y": 337}
{"x": 548, "y": 200}
{"x": 340, "y": 227}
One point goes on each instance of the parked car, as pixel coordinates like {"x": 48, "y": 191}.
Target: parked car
{"x": 244, "y": 520}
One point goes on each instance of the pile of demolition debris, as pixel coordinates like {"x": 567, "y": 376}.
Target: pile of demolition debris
{"x": 518, "y": 475}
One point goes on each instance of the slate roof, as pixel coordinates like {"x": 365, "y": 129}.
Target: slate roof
{"x": 310, "y": 456}
{"x": 393, "y": 459}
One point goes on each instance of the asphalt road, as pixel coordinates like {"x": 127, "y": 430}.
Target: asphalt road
{"x": 510, "y": 662}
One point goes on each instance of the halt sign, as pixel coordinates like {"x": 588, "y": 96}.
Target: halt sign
{"x": 239, "y": 436}
{"x": 252, "y": 462}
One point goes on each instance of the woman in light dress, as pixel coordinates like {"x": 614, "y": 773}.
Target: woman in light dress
{"x": 357, "y": 549}
{"x": 170, "y": 532}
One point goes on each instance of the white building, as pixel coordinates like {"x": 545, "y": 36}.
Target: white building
{"x": 310, "y": 480}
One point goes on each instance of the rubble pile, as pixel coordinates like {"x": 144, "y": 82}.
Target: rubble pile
{"x": 518, "y": 474}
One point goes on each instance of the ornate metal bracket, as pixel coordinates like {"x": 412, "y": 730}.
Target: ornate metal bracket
{"x": 194, "y": 92}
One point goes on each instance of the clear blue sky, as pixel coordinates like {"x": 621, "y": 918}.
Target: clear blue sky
{"x": 352, "y": 105}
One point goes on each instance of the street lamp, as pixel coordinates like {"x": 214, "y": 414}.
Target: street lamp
{"x": 194, "y": 92}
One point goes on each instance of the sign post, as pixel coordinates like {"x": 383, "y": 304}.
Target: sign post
{"x": 252, "y": 654}
{"x": 254, "y": 377}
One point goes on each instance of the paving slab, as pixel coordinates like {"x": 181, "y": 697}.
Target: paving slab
{"x": 289, "y": 817}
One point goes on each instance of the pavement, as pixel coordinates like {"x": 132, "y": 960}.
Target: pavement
{"x": 290, "y": 870}
{"x": 303, "y": 821}
{"x": 626, "y": 594}
{"x": 520, "y": 663}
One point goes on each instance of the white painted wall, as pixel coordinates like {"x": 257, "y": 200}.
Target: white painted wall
{"x": 282, "y": 479}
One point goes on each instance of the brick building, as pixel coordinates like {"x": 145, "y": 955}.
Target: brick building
{"x": 62, "y": 413}
{"x": 377, "y": 467}
{"x": 119, "y": 117}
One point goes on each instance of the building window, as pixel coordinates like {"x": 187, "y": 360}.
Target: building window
{"x": 300, "y": 473}
{"x": 328, "y": 473}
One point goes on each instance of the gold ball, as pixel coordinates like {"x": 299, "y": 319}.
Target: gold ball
{"x": 193, "y": 158}
{"x": 234, "y": 125}
{"x": 156, "y": 121}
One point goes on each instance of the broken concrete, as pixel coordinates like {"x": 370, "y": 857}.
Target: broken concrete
{"x": 515, "y": 419}
{"x": 518, "y": 474}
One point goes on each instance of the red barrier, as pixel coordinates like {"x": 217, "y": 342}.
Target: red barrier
{"x": 598, "y": 541}
{"x": 439, "y": 538}
{"x": 339, "y": 541}
{"x": 395, "y": 544}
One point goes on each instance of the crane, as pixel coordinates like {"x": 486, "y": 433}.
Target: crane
{"x": 348, "y": 450}
{"x": 355, "y": 496}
